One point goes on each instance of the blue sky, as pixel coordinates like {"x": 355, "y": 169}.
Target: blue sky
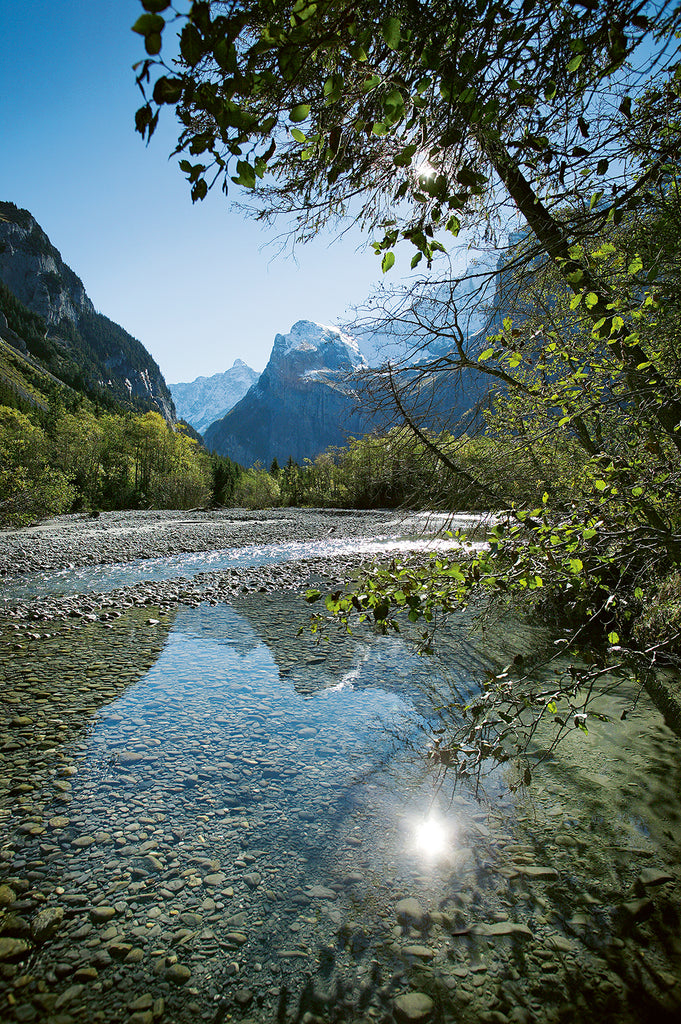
{"x": 197, "y": 284}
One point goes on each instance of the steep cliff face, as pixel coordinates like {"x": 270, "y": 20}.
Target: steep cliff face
{"x": 304, "y": 401}
{"x": 80, "y": 344}
{"x": 207, "y": 399}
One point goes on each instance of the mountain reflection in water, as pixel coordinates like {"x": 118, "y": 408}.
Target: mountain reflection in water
{"x": 255, "y": 815}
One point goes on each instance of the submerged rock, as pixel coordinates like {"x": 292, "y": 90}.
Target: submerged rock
{"x": 413, "y": 1007}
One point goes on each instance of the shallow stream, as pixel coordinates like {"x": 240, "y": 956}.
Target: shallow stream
{"x": 205, "y": 816}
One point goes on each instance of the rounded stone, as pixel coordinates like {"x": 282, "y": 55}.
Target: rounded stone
{"x": 411, "y": 911}
{"x": 413, "y": 1007}
{"x": 178, "y": 974}
{"x": 46, "y": 922}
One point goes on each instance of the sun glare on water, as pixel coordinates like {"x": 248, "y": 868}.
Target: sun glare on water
{"x": 432, "y": 838}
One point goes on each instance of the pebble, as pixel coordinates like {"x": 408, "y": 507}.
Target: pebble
{"x": 178, "y": 974}
{"x": 7, "y": 896}
{"x": 12, "y": 949}
{"x": 46, "y": 922}
{"x": 99, "y": 915}
{"x": 413, "y": 1007}
{"x": 410, "y": 911}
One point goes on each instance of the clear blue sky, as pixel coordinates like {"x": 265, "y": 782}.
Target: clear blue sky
{"x": 198, "y": 285}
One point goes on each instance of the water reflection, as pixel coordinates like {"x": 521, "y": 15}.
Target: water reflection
{"x": 433, "y": 837}
{"x": 252, "y": 829}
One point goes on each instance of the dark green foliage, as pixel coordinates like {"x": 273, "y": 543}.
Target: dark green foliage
{"x": 225, "y": 475}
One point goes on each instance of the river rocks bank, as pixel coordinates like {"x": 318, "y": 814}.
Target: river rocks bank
{"x": 78, "y": 540}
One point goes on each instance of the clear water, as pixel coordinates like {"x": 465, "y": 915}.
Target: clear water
{"x": 400, "y": 540}
{"x": 218, "y": 794}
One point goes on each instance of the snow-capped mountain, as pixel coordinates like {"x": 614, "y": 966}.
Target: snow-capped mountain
{"x": 207, "y": 399}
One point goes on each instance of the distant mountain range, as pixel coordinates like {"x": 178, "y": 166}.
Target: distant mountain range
{"x": 310, "y": 395}
{"x": 207, "y": 399}
{"x": 51, "y": 325}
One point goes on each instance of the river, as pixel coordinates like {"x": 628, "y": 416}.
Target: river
{"x": 207, "y": 816}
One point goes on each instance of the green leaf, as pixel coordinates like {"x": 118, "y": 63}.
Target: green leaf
{"x": 550, "y": 90}
{"x": 225, "y": 55}
{"x": 191, "y": 45}
{"x": 625, "y": 106}
{"x": 576, "y": 565}
{"x": 245, "y": 174}
{"x": 404, "y": 158}
{"x": 392, "y": 32}
{"x": 487, "y": 354}
{"x": 154, "y": 6}
{"x": 153, "y": 43}
{"x": 299, "y": 112}
{"x": 575, "y": 62}
{"x": 416, "y": 259}
{"x": 312, "y": 595}
{"x": 591, "y": 300}
{"x": 602, "y": 166}
{"x": 600, "y": 485}
{"x": 635, "y": 265}
{"x": 388, "y": 262}
{"x": 552, "y": 707}
{"x": 453, "y": 225}
{"x": 613, "y": 638}
{"x": 149, "y": 24}
{"x": 298, "y": 135}
{"x": 167, "y": 90}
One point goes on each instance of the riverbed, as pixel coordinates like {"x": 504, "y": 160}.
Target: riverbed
{"x": 207, "y": 815}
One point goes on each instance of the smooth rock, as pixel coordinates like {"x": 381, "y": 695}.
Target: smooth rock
{"x": 411, "y": 911}
{"x": 653, "y": 876}
{"x": 99, "y": 915}
{"x": 11, "y": 949}
{"x": 178, "y": 974}
{"x": 420, "y": 952}
{"x": 413, "y": 1007}
{"x": 7, "y": 896}
{"x": 320, "y": 892}
{"x": 46, "y": 922}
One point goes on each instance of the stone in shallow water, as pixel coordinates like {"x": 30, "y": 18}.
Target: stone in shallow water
{"x": 413, "y": 1007}
{"x": 537, "y": 871}
{"x": 419, "y": 952}
{"x": 144, "y": 1002}
{"x": 653, "y": 876}
{"x": 178, "y": 974}
{"x": 320, "y": 892}
{"x": 11, "y": 949}
{"x": 101, "y": 914}
{"x": 411, "y": 912}
{"x": 46, "y": 922}
{"x": 7, "y": 896}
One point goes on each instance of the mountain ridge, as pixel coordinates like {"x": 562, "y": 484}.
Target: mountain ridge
{"x": 308, "y": 382}
{"x": 80, "y": 346}
{"x": 206, "y": 399}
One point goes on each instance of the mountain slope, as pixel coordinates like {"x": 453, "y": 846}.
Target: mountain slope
{"x": 63, "y": 331}
{"x": 207, "y": 399}
{"x": 304, "y": 401}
